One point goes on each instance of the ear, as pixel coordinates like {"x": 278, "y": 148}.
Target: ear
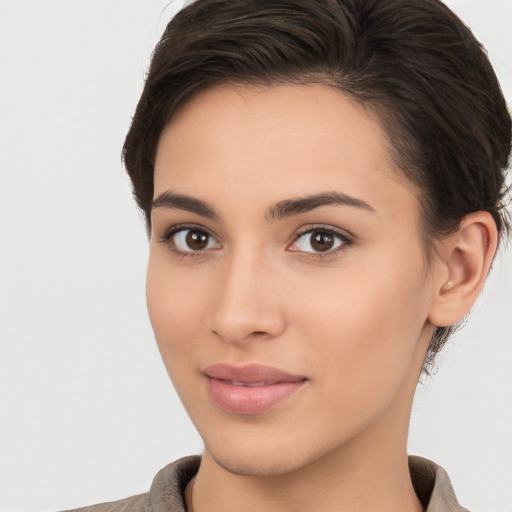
{"x": 463, "y": 261}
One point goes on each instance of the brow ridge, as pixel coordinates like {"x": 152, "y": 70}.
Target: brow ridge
{"x": 289, "y": 207}
{"x": 281, "y": 210}
{"x": 172, "y": 200}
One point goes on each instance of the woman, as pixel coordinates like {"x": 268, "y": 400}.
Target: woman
{"x": 323, "y": 187}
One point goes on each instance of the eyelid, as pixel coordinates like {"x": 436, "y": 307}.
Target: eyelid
{"x": 168, "y": 234}
{"x": 345, "y": 237}
{"x": 171, "y": 230}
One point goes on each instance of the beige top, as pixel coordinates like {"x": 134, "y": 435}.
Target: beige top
{"x": 431, "y": 483}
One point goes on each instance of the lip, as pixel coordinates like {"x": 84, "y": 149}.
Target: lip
{"x": 250, "y": 389}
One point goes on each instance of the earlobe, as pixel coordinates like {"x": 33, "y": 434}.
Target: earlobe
{"x": 464, "y": 260}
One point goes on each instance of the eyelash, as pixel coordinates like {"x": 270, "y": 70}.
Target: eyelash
{"x": 344, "y": 239}
{"x": 167, "y": 239}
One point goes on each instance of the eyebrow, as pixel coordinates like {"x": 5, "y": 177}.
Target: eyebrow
{"x": 182, "y": 202}
{"x": 280, "y": 210}
{"x": 290, "y": 207}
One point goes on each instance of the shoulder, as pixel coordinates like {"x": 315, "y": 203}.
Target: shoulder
{"x": 139, "y": 503}
{"x": 433, "y": 486}
{"x": 165, "y": 495}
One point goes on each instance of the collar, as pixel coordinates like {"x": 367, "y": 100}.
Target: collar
{"x": 431, "y": 483}
{"x": 433, "y": 486}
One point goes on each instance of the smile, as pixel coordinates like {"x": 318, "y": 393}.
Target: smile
{"x": 251, "y": 389}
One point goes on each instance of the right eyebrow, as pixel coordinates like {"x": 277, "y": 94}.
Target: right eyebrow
{"x": 171, "y": 200}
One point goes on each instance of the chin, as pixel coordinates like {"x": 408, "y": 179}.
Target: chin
{"x": 263, "y": 465}
{"x": 264, "y": 455}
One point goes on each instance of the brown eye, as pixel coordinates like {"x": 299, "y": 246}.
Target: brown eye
{"x": 196, "y": 241}
{"x": 189, "y": 240}
{"x": 322, "y": 242}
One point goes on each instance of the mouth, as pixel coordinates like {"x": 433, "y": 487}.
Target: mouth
{"x": 250, "y": 389}
{"x": 251, "y": 384}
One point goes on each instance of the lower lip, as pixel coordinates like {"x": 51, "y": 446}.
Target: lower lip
{"x": 250, "y": 399}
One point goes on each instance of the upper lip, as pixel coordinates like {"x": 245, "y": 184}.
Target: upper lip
{"x": 250, "y": 373}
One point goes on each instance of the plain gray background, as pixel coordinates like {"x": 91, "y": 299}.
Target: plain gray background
{"x": 87, "y": 413}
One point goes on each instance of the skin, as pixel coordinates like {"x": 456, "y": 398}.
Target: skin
{"x": 354, "y": 320}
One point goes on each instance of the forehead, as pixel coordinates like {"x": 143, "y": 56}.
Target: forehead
{"x": 263, "y": 142}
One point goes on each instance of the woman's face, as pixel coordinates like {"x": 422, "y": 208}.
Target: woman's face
{"x": 287, "y": 286}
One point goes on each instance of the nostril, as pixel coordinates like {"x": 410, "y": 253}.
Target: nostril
{"x": 235, "y": 321}
{"x": 254, "y": 333}
{"x": 240, "y": 337}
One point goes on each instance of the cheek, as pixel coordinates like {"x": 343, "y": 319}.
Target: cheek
{"x": 175, "y": 308}
{"x": 366, "y": 323}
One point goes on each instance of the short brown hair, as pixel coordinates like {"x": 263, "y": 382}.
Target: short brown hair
{"x": 414, "y": 62}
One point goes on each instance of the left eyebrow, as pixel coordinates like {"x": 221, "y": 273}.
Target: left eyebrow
{"x": 289, "y": 207}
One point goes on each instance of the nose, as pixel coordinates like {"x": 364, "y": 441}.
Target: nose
{"x": 247, "y": 305}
